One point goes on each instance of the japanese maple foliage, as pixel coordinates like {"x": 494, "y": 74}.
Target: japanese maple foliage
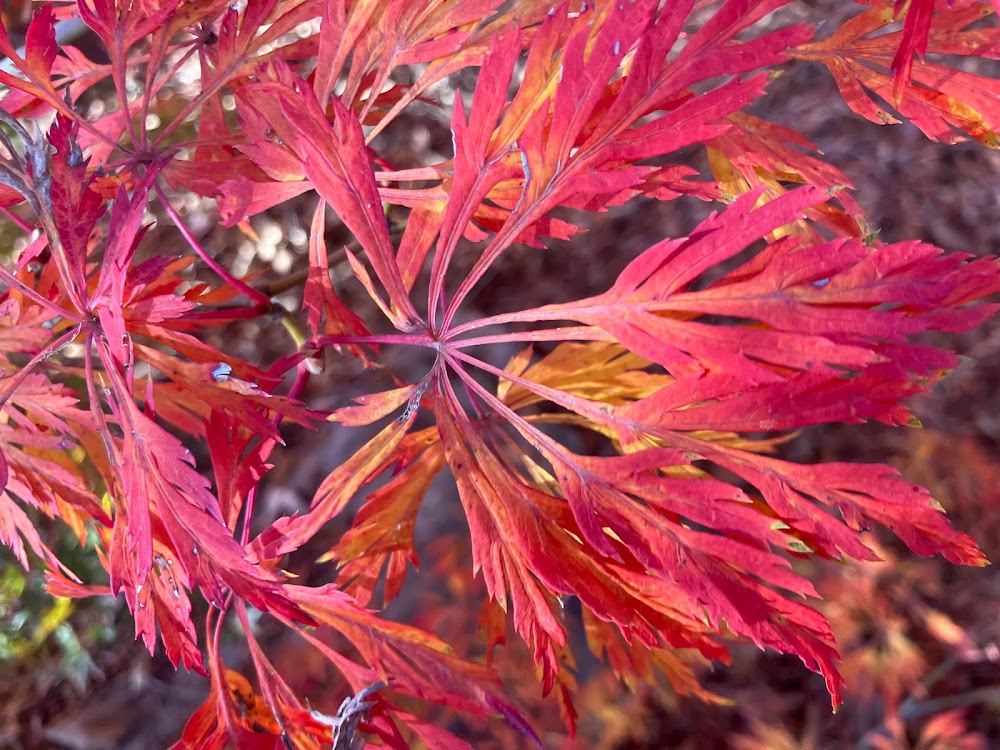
{"x": 678, "y": 533}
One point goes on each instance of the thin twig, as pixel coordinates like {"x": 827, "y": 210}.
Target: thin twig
{"x": 911, "y": 710}
{"x": 352, "y": 711}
